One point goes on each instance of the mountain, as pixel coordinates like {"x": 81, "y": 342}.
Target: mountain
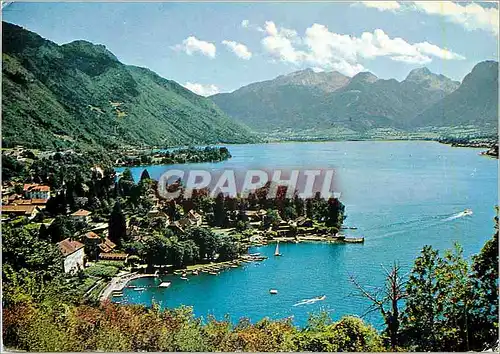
{"x": 80, "y": 94}
{"x": 279, "y": 103}
{"x": 475, "y": 102}
{"x": 318, "y": 101}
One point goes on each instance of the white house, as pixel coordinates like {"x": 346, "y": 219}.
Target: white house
{"x": 73, "y": 252}
{"x": 82, "y": 215}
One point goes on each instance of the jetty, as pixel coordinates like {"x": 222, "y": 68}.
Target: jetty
{"x": 318, "y": 238}
{"x": 118, "y": 283}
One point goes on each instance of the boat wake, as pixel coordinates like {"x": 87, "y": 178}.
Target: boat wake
{"x": 459, "y": 215}
{"x": 421, "y": 223}
{"x": 310, "y": 301}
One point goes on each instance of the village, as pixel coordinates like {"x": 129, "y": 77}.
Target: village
{"x": 196, "y": 235}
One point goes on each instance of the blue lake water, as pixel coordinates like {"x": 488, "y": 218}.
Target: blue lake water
{"x": 400, "y": 195}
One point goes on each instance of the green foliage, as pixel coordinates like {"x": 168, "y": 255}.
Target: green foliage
{"x": 349, "y": 334}
{"x": 80, "y": 95}
{"x": 450, "y": 306}
{"x": 102, "y": 271}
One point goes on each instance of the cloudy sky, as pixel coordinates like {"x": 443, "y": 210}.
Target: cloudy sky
{"x": 219, "y": 47}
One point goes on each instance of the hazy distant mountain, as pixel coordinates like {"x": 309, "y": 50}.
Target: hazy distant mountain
{"x": 475, "y": 102}
{"x": 309, "y": 100}
{"x": 79, "y": 94}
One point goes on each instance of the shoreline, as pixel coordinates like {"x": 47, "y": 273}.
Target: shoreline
{"x": 120, "y": 281}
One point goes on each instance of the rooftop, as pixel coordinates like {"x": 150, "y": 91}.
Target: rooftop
{"x": 68, "y": 246}
{"x": 81, "y": 212}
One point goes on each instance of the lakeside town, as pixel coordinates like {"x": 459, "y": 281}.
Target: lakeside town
{"x": 107, "y": 227}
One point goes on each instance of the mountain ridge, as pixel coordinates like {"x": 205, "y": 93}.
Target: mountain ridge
{"x": 359, "y": 103}
{"x": 80, "y": 94}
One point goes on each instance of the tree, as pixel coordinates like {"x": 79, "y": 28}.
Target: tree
{"x": 272, "y": 218}
{"x": 228, "y": 250}
{"x": 424, "y": 303}
{"x": 484, "y": 316}
{"x": 350, "y": 334}
{"x": 387, "y": 301}
{"x": 206, "y": 240}
{"x": 145, "y": 175}
{"x": 219, "y": 211}
{"x": 117, "y": 229}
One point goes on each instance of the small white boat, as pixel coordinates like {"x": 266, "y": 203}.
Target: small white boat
{"x": 139, "y": 289}
{"x": 277, "y": 251}
{"x": 184, "y": 278}
{"x": 467, "y": 212}
{"x": 117, "y": 295}
{"x": 195, "y": 272}
{"x": 213, "y": 273}
{"x": 165, "y": 284}
{"x": 273, "y": 291}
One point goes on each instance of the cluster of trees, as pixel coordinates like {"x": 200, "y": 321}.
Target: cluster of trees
{"x": 197, "y": 245}
{"x": 177, "y": 156}
{"x": 445, "y": 303}
{"x": 227, "y": 211}
{"x": 111, "y": 327}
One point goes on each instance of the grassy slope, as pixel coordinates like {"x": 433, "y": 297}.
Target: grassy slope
{"x": 80, "y": 94}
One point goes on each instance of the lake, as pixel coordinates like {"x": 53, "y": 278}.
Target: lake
{"x": 400, "y": 195}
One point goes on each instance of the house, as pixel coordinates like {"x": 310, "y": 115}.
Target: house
{"x": 28, "y": 211}
{"x": 40, "y": 203}
{"x": 82, "y": 215}
{"x": 176, "y": 226}
{"x": 107, "y": 245}
{"x": 302, "y": 221}
{"x": 74, "y": 254}
{"x": 113, "y": 256}
{"x": 36, "y": 191}
{"x": 91, "y": 241}
{"x": 195, "y": 218}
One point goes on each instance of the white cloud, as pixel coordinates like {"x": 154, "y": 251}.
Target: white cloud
{"x": 323, "y": 49}
{"x": 245, "y": 23}
{"x": 470, "y": 15}
{"x": 381, "y": 5}
{"x": 431, "y": 49}
{"x": 279, "y": 43}
{"x": 201, "y": 89}
{"x": 239, "y": 49}
{"x": 192, "y": 45}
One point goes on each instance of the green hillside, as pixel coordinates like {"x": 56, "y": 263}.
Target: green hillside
{"x": 80, "y": 94}
{"x": 475, "y": 102}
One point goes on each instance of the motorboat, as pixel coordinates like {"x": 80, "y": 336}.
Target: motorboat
{"x": 165, "y": 284}
{"x": 139, "y": 289}
{"x": 467, "y": 212}
{"x": 184, "y": 278}
{"x": 273, "y": 291}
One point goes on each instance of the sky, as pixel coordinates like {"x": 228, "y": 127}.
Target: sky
{"x": 219, "y": 47}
